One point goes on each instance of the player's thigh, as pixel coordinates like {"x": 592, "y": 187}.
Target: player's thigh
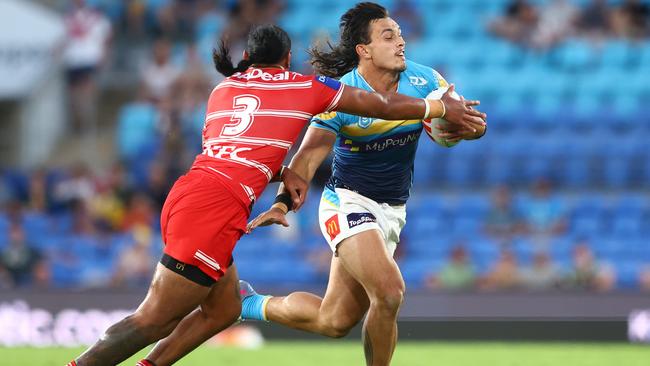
{"x": 223, "y": 303}
{"x": 366, "y": 258}
{"x": 345, "y": 298}
{"x": 170, "y": 297}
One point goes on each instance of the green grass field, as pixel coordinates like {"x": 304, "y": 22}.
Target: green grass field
{"x": 329, "y": 353}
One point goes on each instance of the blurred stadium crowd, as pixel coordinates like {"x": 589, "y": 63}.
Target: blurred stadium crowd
{"x": 555, "y": 197}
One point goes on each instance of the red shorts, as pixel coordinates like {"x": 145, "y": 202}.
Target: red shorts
{"x": 201, "y": 222}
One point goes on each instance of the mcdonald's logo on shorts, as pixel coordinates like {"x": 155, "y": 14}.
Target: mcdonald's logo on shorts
{"x": 332, "y": 226}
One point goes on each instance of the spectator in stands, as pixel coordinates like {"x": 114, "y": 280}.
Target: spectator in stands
{"x": 83, "y": 221}
{"x": 5, "y": 192}
{"x": 410, "y": 19}
{"x": 595, "y": 20}
{"x": 457, "y": 274}
{"x": 24, "y": 264}
{"x": 543, "y": 275}
{"x": 139, "y": 212}
{"x": 137, "y": 128}
{"x": 557, "y": 21}
{"x": 504, "y": 274}
{"x": 632, "y": 19}
{"x": 160, "y": 74}
{"x": 38, "y": 200}
{"x": 136, "y": 264}
{"x": 188, "y": 97}
{"x": 108, "y": 204}
{"x": 544, "y": 214}
{"x": 158, "y": 185}
{"x": 586, "y": 273}
{"x": 78, "y": 186}
{"x": 502, "y": 221}
{"x": 518, "y": 24}
{"x": 644, "y": 278}
{"x": 86, "y": 50}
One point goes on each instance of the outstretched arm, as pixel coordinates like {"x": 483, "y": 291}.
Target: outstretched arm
{"x": 393, "y": 106}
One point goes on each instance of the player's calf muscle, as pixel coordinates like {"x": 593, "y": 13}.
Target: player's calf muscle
{"x": 119, "y": 342}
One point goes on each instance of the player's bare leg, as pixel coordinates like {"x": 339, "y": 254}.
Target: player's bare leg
{"x": 217, "y": 312}
{"x": 342, "y": 308}
{"x": 366, "y": 258}
{"x": 170, "y": 298}
{"x": 363, "y": 276}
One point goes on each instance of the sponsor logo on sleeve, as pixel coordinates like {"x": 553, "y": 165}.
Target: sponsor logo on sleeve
{"x": 332, "y": 227}
{"x": 332, "y": 83}
{"x": 356, "y": 219}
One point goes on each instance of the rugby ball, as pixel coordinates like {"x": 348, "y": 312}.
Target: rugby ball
{"x": 430, "y": 125}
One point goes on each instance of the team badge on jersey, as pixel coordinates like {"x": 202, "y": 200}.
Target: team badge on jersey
{"x": 365, "y": 122}
{"x": 332, "y": 226}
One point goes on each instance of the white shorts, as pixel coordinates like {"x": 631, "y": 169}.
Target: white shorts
{"x": 344, "y": 213}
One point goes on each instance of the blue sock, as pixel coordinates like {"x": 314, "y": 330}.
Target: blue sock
{"x": 253, "y": 307}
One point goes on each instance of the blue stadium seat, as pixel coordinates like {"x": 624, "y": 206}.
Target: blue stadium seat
{"x": 575, "y": 55}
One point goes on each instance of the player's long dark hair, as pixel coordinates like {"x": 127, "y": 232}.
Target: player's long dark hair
{"x": 266, "y": 45}
{"x": 355, "y": 29}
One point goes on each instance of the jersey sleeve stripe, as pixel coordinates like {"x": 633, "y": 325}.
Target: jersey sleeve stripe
{"x": 335, "y": 100}
{"x": 320, "y": 124}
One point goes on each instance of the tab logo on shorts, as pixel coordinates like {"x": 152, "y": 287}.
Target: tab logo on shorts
{"x": 332, "y": 226}
{"x": 356, "y": 219}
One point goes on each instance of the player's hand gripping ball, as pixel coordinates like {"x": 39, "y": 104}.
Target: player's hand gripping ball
{"x": 431, "y": 125}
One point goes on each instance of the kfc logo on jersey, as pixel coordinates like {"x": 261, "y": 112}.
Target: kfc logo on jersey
{"x": 225, "y": 152}
{"x": 418, "y": 81}
{"x": 332, "y": 227}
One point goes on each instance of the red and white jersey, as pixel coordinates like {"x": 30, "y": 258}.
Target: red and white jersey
{"x": 252, "y": 120}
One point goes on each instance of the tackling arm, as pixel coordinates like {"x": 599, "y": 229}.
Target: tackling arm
{"x": 392, "y": 106}
{"x": 314, "y": 148}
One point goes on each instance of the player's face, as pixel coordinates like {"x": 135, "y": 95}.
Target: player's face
{"x": 386, "y": 47}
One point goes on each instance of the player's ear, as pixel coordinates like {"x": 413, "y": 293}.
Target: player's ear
{"x": 287, "y": 61}
{"x": 362, "y": 51}
{"x": 245, "y": 55}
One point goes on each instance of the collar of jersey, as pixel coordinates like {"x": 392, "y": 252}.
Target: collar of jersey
{"x": 356, "y": 72}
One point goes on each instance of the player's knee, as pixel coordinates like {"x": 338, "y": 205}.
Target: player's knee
{"x": 227, "y": 315}
{"x": 339, "y": 327}
{"x": 388, "y": 299}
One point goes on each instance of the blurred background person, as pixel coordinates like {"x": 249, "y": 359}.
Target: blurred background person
{"x": 24, "y": 264}
{"x": 457, "y": 274}
{"x": 542, "y": 275}
{"x": 587, "y": 273}
{"x": 503, "y": 274}
{"x": 502, "y": 220}
{"x": 543, "y": 213}
{"x": 86, "y": 52}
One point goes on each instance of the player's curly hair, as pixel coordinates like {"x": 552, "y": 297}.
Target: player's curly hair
{"x": 266, "y": 45}
{"x": 355, "y": 29}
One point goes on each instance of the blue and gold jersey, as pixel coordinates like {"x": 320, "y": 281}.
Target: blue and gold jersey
{"x": 372, "y": 156}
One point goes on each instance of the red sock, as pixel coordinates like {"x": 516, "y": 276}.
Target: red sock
{"x": 145, "y": 363}
{"x": 72, "y": 363}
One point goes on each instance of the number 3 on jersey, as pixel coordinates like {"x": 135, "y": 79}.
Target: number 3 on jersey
{"x": 243, "y": 108}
